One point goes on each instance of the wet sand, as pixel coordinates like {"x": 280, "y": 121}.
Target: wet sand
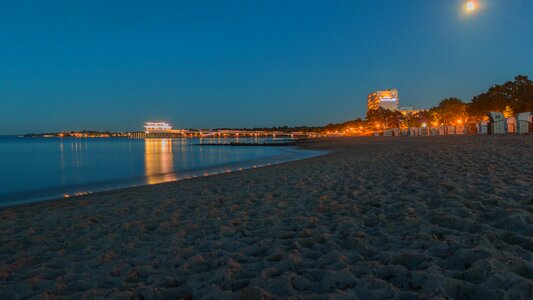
{"x": 408, "y": 218}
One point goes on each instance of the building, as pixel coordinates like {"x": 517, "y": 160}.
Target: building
{"x": 157, "y": 127}
{"x": 409, "y": 110}
{"x": 387, "y": 99}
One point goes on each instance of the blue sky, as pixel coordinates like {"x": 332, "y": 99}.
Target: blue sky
{"x": 72, "y": 65}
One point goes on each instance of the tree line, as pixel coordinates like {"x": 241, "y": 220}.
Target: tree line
{"x": 511, "y": 98}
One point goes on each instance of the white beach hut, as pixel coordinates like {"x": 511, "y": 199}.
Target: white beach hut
{"x": 423, "y": 131}
{"x": 413, "y": 131}
{"x": 483, "y": 127}
{"x": 388, "y": 132}
{"x": 450, "y": 129}
{"x": 510, "y": 125}
{"x": 442, "y": 130}
{"x": 434, "y": 130}
{"x": 497, "y": 123}
{"x": 524, "y": 123}
{"x": 459, "y": 130}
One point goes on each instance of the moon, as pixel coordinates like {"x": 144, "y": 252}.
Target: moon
{"x": 470, "y": 6}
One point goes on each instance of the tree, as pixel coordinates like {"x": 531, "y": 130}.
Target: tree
{"x": 450, "y": 111}
{"x": 511, "y": 97}
{"x": 383, "y": 118}
{"x": 522, "y": 94}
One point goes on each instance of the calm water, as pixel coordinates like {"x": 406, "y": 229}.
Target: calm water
{"x": 33, "y": 169}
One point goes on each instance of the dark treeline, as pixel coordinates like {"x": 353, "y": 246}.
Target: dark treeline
{"x": 357, "y": 123}
{"x": 510, "y": 98}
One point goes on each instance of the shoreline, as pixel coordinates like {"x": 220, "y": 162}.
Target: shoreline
{"x": 373, "y": 218}
{"x": 102, "y": 187}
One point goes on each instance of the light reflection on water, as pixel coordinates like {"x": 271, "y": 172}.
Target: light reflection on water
{"x": 158, "y": 160}
{"x": 34, "y": 169}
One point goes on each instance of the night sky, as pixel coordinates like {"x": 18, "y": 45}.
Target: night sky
{"x": 111, "y": 65}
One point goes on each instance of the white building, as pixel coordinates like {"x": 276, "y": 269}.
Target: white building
{"x": 387, "y": 99}
{"x": 156, "y": 127}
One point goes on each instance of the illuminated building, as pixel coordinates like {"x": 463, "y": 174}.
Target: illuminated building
{"x": 156, "y": 127}
{"x": 387, "y": 99}
{"x": 409, "y": 110}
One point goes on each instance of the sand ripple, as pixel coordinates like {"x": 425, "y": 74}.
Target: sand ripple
{"x": 404, "y": 218}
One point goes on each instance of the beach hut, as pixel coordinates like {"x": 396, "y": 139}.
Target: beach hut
{"x": 459, "y": 130}
{"x": 413, "y": 131}
{"x": 388, "y": 132}
{"x": 442, "y": 130}
{"x": 396, "y": 131}
{"x": 471, "y": 128}
{"x": 434, "y": 130}
{"x": 450, "y": 129}
{"x": 524, "y": 123}
{"x": 405, "y": 132}
{"x": 497, "y": 123}
{"x": 423, "y": 131}
{"x": 376, "y": 133}
{"x": 483, "y": 127}
{"x": 510, "y": 125}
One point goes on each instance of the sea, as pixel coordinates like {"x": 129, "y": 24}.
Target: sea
{"x": 37, "y": 169}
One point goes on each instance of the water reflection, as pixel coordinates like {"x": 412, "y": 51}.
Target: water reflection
{"x": 158, "y": 161}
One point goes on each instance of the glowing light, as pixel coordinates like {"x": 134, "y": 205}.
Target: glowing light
{"x": 470, "y": 6}
{"x": 158, "y": 161}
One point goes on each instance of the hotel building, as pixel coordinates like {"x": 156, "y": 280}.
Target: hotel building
{"x": 409, "y": 110}
{"x": 387, "y": 99}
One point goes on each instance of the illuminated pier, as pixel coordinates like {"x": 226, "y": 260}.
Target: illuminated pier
{"x": 163, "y": 130}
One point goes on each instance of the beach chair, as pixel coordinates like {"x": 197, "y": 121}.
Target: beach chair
{"x": 510, "y": 125}
{"x": 497, "y": 122}
{"x": 524, "y": 123}
{"x": 459, "y": 129}
{"x": 483, "y": 127}
{"x": 450, "y": 129}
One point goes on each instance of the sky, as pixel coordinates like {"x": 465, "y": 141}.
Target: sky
{"x": 112, "y": 65}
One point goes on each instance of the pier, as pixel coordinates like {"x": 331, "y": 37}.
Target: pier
{"x": 216, "y": 134}
{"x": 164, "y": 130}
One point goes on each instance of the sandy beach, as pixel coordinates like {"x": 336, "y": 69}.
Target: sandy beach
{"x": 401, "y": 218}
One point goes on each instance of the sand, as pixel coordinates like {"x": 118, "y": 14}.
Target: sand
{"x": 403, "y": 218}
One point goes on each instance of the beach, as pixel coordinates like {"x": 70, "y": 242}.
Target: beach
{"x": 379, "y": 217}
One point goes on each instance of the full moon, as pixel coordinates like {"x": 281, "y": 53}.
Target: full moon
{"x": 470, "y": 6}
